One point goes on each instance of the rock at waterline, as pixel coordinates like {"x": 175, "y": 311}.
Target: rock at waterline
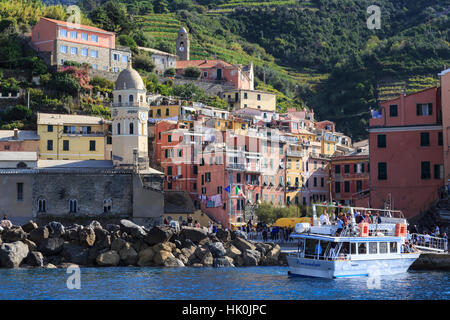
{"x": 75, "y": 254}
{"x": 222, "y": 263}
{"x": 128, "y": 255}
{"x": 51, "y": 246}
{"x": 233, "y": 252}
{"x": 217, "y": 249}
{"x": 108, "y": 258}
{"x": 208, "y": 259}
{"x": 12, "y": 254}
{"x": 146, "y": 258}
{"x": 35, "y": 259}
{"x": 161, "y": 256}
{"x": 173, "y": 263}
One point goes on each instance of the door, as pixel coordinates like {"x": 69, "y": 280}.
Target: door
{"x": 219, "y": 74}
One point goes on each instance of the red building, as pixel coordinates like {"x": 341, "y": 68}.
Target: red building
{"x": 350, "y": 177}
{"x": 406, "y": 152}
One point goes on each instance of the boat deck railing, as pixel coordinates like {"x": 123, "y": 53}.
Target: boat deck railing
{"x": 429, "y": 243}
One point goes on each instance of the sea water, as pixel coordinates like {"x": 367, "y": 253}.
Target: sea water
{"x": 249, "y": 283}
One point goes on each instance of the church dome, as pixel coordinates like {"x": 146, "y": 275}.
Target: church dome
{"x": 129, "y": 79}
{"x": 182, "y": 30}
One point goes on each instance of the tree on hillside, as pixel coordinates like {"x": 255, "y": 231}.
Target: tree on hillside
{"x": 112, "y": 16}
{"x": 160, "y": 6}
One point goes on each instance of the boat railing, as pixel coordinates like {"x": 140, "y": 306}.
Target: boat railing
{"x": 426, "y": 242}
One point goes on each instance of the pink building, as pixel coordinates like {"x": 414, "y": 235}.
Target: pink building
{"x": 64, "y": 41}
{"x": 406, "y": 151}
{"x": 236, "y": 76}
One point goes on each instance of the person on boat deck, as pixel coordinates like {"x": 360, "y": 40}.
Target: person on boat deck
{"x": 318, "y": 249}
{"x": 4, "y": 217}
{"x": 358, "y": 218}
{"x": 324, "y": 218}
{"x": 444, "y": 236}
{"x": 377, "y": 218}
{"x": 340, "y": 225}
{"x": 436, "y": 231}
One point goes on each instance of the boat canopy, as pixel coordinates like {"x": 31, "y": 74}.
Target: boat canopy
{"x": 345, "y": 239}
{"x": 291, "y": 222}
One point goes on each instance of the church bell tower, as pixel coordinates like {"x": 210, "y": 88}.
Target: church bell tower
{"x": 183, "y": 44}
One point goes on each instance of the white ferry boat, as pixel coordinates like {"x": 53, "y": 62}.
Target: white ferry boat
{"x": 359, "y": 250}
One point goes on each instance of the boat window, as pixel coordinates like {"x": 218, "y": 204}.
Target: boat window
{"x": 353, "y": 248}
{"x": 362, "y": 248}
{"x": 310, "y": 249}
{"x": 383, "y": 247}
{"x": 372, "y": 247}
{"x": 345, "y": 248}
{"x": 393, "y": 247}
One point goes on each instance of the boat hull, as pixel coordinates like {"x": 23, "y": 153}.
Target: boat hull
{"x": 350, "y": 268}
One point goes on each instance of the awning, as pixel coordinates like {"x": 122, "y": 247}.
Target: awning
{"x": 291, "y": 222}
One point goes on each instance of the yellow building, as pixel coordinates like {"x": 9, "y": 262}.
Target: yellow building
{"x": 73, "y": 137}
{"x": 165, "y": 111}
{"x": 261, "y": 100}
{"x": 294, "y": 156}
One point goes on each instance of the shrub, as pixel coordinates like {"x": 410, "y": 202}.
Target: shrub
{"x": 192, "y": 72}
{"x": 171, "y": 72}
{"x": 144, "y": 62}
{"x": 126, "y": 40}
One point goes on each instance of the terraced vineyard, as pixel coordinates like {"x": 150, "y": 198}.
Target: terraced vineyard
{"x": 233, "y": 4}
{"x": 390, "y": 89}
{"x": 165, "y": 27}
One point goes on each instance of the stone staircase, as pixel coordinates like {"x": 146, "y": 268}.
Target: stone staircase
{"x": 438, "y": 214}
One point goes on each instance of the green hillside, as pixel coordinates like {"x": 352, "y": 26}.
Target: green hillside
{"x": 316, "y": 53}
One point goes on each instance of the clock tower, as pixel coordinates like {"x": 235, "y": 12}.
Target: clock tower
{"x": 129, "y": 115}
{"x": 183, "y": 44}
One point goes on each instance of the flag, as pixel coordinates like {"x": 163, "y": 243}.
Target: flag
{"x": 239, "y": 192}
{"x": 228, "y": 189}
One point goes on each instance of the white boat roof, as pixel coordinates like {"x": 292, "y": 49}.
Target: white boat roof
{"x": 344, "y": 239}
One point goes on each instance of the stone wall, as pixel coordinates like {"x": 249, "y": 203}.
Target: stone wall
{"x": 89, "y": 189}
{"x": 210, "y": 88}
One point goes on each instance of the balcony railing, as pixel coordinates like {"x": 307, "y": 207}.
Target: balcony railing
{"x": 130, "y": 104}
{"x": 253, "y": 168}
{"x": 294, "y": 153}
{"x": 235, "y": 166}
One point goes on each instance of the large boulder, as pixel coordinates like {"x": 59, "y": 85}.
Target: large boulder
{"x": 251, "y": 257}
{"x": 31, "y": 245}
{"x": 196, "y": 235}
{"x": 87, "y": 236}
{"x": 132, "y": 229}
{"x": 182, "y": 258}
{"x": 145, "y": 257}
{"x": 173, "y": 263}
{"x": 38, "y": 235}
{"x": 56, "y": 229}
{"x": 243, "y": 244}
{"x": 223, "y": 235}
{"x": 12, "y": 254}
{"x": 232, "y": 251}
{"x": 128, "y": 255}
{"x": 158, "y": 234}
{"x": 208, "y": 259}
{"x": 112, "y": 227}
{"x": 217, "y": 249}
{"x": 95, "y": 225}
{"x": 161, "y": 256}
{"x": 102, "y": 237}
{"x": 268, "y": 261}
{"x": 34, "y": 259}
{"x": 72, "y": 234}
{"x": 117, "y": 244}
{"x": 30, "y": 226}
{"x": 108, "y": 258}
{"x": 222, "y": 263}
{"x": 14, "y": 234}
{"x": 238, "y": 234}
{"x": 274, "y": 252}
{"x": 75, "y": 254}
{"x": 167, "y": 246}
{"x": 51, "y": 246}
{"x": 200, "y": 252}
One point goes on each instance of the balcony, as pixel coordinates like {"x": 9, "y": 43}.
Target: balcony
{"x": 253, "y": 168}
{"x": 295, "y": 153}
{"x": 131, "y": 104}
{"x": 235, "y": 166}
{"x": 84, "y": 134}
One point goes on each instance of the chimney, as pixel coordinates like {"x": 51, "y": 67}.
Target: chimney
{"x": 16, "y": 134}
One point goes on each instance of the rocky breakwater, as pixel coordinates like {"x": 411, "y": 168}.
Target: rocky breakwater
{"x": 127, "y": 244}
